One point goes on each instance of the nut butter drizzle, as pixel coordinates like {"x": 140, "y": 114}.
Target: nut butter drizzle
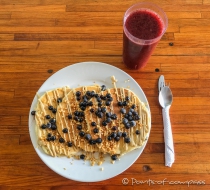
{"x": 135, "y": 140}
{"x": 53, "y": 148}
{"x": 68, "y": 107}
{"x": 142, "y": 125}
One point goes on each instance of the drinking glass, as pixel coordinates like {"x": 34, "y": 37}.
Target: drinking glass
{"x": 143, "y": 26}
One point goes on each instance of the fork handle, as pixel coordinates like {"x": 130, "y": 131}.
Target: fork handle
{"x": 168, "y": 138}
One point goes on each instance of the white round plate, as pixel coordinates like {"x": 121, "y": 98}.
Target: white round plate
{"x": 87, "y": 73}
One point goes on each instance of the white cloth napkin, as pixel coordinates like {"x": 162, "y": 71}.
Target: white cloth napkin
{"x": 168, "y": 138}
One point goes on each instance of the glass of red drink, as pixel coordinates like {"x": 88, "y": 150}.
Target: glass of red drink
{"x": 143, "y": 26}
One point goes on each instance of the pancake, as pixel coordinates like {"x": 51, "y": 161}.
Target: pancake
{"x": 72, "y": 117}
{"x": 121, "y": 128}
{"x": 91, "y": 120}
{"x": 46, "y": 126}
{"x": 105, "y": 125}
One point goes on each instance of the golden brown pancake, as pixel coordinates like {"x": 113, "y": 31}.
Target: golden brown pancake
{"x": 46, "y": 128}
{"x": 72, "y": 117}
{"x": 103, "y": 128}
{"x": 92, "y": 119}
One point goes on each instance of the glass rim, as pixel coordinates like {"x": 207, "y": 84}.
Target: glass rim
{"x": 143, "y": 41}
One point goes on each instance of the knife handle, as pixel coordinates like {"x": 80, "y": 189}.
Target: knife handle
{"x": 168, "y": 138}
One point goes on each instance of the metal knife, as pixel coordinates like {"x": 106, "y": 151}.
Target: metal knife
{"x": 161, "y": 83}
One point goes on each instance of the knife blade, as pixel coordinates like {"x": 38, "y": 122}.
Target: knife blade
{"x": 161, "y": 83}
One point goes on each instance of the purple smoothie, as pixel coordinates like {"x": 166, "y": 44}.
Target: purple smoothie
{"x": 140, "y": 26}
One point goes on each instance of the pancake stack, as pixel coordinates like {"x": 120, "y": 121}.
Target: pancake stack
{"x": 92, "y": 119}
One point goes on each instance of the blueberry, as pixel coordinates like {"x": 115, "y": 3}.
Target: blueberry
{"x": 78, "y": 98}
{"x": 136, "y": 117}
{"x": 76, "y": 113}
{"x": 108, "y": 120}
{"x": 53, "y": 138}
{"x": 93, "y": 123}
{"x": 53, "y": 127}
{"x": 103, "y": 97}
{"x": 80, "y": 119}
{"x": 114, "y": 116}
{"x": 95, "y": 130}
{"x": 44, "y": 126}
{"x": 108, "y": 95}
{"x": 48, "y": 139}
{"x": 65, "y": 130}
{"x": 124, "y": 103}
{"x": 90, "y": 103}
{"x": 92, "y": 142}
{"x": 113, "y": 134}
{"x": 129, "y": 113}
{"x": 109, "y": 138}
{"x": 114, "y": 157}
{"x": 119, "y": 134}
{"x": 47, "y": 116}
{"x": 98, "y": 99}
{"x": 132, "y": 123}
{"x": 79, "y": 127}
{"x": 124, "y": 134}
{"x": 103, "y": 109}
{"x": 133, "y": 106}
{"x": 126, "y": 116}
{"x": 98, "y": 140}
{"x": 54, "y": 110}
{"x": 76, "y": 118}
{"x": 99, "y": 104}
{"x": 82, "y": 104}
{"x": 33, "y": 112}
{"x": 81, "y": 114}
{"x": 82, "y": 156}
{"x": 135, "y": 113}
{"x": 100, "y": 114}
{"x": 120, "y": 104}
{"x": 69, "y": 116}
{"x": 127, "y": 126}
{"x": 131, "y": 110}
{"x": 137, "y": 132}
{"x": 127, "y": 140}
{"x": 110, "y": 99}
{"x": 78, "y": 93}
{"x": 127, "y": 98}
{"x": 125, "y": 120}
{"x": 49, "y": 125}
{"x": 117, "y": 138}
{"x": 108, "y": 103}
{"x": 88, "y": 93}
{"x": 69, "y": 144}
{"x": 61, "y": 140}
{"x": 85, "y": 99}
{"x": 81, "y": 133}
{"x": 96, "y": 95}
{"x": 114, "y": 128}
{"x": 83, "y": 108}
{"x": 49, "y": 135}
{"x": 130, "y": 118}
{"x": 104, "y": 123}
{"x": 59, "y": 100}
{"x": 108, "y": 114}
{"x": 92, "y": 94}
{"x": 103, "y": 88}
{"x": 123, "y": 110}
{"x": 88, "y": 137}
{"x": 52, "y": 120}
{"x": 92, "y": 110}
{"x": 99, "y": 110}
{"x": 50, "y": 107}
